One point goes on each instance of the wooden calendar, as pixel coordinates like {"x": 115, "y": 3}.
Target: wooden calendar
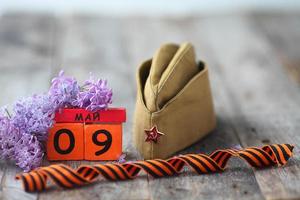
{"x": 79, "y": 134}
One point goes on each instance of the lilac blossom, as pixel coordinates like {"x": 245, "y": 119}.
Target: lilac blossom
{"x": 29, "y": 152}
{"x": 96, "y": 95}
{"x": 22, "y": 134}
{"x": 17, "y": 146}
{"x": 122, "y": 158}
{"x": 63, "y": 91}
{"x": 34, "y": 115}
{"x": 9, "y": 135}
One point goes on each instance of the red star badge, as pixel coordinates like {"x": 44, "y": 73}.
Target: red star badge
{"x": 153, "y": 134}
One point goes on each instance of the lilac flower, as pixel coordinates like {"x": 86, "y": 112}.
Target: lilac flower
{"x": 29, "y": 152}
{"x": 63, "y": 91}
{"x": 95, "y": 95}
{"x": 22, "y": 134}
{"x": 9, "y": 135}
{"x": 34, "y": 115}
{"x": 122, "y": 158}
{"x": 20, "y": 147}
{"x": 236, "y": 147}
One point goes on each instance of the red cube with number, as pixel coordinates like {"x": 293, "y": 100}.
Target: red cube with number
{"x": 103, "y": 141}
{"x": 80, "y": 134}
{"x": 66, "y": 142}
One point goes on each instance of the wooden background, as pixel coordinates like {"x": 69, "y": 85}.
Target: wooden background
{"x": 255, "y": 76}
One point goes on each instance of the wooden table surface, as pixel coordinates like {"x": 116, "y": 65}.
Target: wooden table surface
{"x": 254, "y": 63}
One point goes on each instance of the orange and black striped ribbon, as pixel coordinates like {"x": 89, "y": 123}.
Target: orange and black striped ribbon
{"x": 66, "y": 177}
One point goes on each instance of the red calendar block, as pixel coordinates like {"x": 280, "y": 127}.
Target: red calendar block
{"x": 66, "y": 142}
{"x": 81, "y": 134}
{"x": 111, "y": 115}
{"x": 103, "y": 141}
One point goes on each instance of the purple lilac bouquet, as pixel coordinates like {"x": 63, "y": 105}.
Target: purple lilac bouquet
{"x": 24, "y": 131}
{"x": 34, "y": 115}
{"x": 64, "y": 91}
{"x": 95, "y": 95}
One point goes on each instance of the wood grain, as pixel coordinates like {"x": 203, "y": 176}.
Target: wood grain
{"x": 26, "y": 48}
{"x": 254, "y": 90}
{"x": 265, "y": 106}
{"x": 85, "y": 46}
{"x": 282, "y": 32}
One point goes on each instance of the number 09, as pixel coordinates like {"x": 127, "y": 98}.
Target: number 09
{"x": 95, "y": 138}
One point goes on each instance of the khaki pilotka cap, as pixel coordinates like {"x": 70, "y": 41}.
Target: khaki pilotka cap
{"x": 173, "y": 95}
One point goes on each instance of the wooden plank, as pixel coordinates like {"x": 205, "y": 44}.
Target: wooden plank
{"x": 237, "y": 182}
{"x": 282, "y": 31}
{"x": 96, "y": 45}
{"x": 255, "y": 102}
{"x": 25, "y": 55}
{"x": 25, "y": 62}
{"x": 265, "y": 104}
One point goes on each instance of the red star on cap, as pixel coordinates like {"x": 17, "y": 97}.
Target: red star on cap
{"x": 153, "y": 134}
